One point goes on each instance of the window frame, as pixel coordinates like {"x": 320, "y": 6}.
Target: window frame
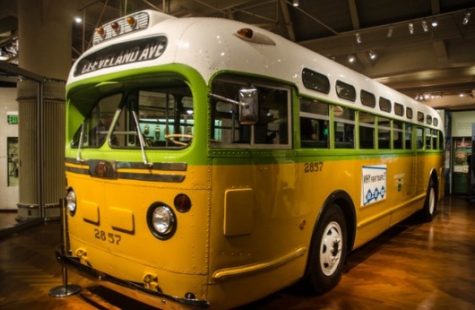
{"x": 314, "y": 116}
{"x": 366, "y": 94}
{"x": 385, "y": 101}
{"x": 256, "y": 82}
{"x": 342, "y": 84}
{"x": 305, "y": 82}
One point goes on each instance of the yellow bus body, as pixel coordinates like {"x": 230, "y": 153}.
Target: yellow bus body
{"x": 248, "y": 231}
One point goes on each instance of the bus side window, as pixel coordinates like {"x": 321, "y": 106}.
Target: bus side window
{"x": 408, "y": 136}
{"x": 314, "y": 125}
{"x": 428, "y": 138}
{"x": 397, "y": 135}
{"x": 366, "y": 121}
{"x": 420, "y": 138}
{"x": 434, "y": 139}
{"x": 272, "y": 127}
{"x": 225, "y": 127}
{"x": 344, "y": 125}
{"x": 384, "y": 133}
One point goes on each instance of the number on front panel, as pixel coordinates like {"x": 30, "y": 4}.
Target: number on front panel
{"x": 109, "y": 237}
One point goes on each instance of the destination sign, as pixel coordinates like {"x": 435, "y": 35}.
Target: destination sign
{"x": 122, "y": 54}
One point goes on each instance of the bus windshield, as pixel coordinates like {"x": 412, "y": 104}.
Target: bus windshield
{"x": 162, "y": 117}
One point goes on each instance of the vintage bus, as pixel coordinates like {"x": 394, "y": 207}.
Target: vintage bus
{"x": 211, "y": 162}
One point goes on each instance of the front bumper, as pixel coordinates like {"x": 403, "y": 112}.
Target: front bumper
{"x": 162, "y": 299}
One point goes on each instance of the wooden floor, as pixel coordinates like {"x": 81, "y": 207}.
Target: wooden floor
{"x": 412, "y": 266}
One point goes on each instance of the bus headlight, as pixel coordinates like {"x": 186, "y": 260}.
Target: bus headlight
{"x": 71, "y": 201}
{"x": 161, "y": 221}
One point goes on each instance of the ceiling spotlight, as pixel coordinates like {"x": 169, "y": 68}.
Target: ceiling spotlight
{"x": 77, "y": 19}
{"x": 295, "y": 3}
{"x": 434, "y": 23}
{"x": 351, "y": 59}
{"x": 410, "y": 26}
{"x": 358, "y": 38}
{"x": 372, "y": 55}
{"x": 390, "y": 31}
{"x": 461, "y": 95}
{"x": 427, "y": 96}
{"x": 466, "y": 18}
{"x": 425, "y": 27}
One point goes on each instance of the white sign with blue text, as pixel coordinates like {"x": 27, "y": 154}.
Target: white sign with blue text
{"x": 373, "y": 184}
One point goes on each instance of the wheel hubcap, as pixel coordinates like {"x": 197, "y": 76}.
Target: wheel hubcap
{"x": 431, "y": 201}
{"x": 330, "y": 248}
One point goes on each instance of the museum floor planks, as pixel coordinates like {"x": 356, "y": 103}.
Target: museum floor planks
{"x": 411, "y": 266}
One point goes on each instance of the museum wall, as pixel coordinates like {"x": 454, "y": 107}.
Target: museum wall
{"x": 8, "y": 148}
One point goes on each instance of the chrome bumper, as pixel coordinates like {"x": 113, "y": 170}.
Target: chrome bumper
{"x": 95, "y": 275}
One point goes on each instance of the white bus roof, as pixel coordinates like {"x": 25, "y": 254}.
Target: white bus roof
{"x": 210, "y": 45}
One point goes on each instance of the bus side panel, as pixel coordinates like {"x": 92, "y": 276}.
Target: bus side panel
{"x": 286, "y": 200}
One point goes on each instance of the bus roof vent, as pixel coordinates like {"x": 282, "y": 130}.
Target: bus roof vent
{"x": 130, "y": 23}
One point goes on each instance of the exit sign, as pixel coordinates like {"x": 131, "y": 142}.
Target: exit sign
{"x": 12, "y": 119}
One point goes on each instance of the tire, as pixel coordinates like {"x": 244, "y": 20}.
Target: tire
{"x": 328, "y": 251}
{"x": 430, "y": 204}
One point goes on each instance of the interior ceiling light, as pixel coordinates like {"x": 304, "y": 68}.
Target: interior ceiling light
{"x": 351, "y": 59}
{"x": 358, "y": 38}
{"x": 77, "y": 19}
{"x": 372, "y": 55}
{"x": 435, "y": 23}
{"x": 410, "y": 26}
{"x": 295, "y": 3}
{"x": 466, "y": 18}
{"x": 461, "y": 95}
{"x": 390, "y": 31}
{"x": 425, "y": 27}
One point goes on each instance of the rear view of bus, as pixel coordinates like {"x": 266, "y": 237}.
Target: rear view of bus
{"x": 138, "y": 191}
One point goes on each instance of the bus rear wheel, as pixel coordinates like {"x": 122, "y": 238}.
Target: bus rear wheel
{"x": 430, "y": 204}
{"x": 328, "y": 251}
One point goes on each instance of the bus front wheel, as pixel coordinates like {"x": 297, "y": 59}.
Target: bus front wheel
{"x": 328, "y": 251}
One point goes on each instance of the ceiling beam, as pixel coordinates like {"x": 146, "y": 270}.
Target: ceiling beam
{"x": 287, "y": 20}
{"x": 355, "y": 19}
{"x": 439, "y": 46}
{"x": 435, "y": 6}
{"x": 440, "y": 50}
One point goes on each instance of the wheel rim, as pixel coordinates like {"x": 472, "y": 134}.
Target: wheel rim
{"x": 431, "y": 201}
{"x": 331, "y": 248}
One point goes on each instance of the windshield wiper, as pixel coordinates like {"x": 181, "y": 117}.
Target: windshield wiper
{"x": 81, "y": 137}
{"x": 141, "y": 140}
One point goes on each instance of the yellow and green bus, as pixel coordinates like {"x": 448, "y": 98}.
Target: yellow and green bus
{"x": 211, "y": 163}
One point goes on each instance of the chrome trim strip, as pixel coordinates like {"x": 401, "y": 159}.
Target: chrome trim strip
{"x": 241, "y": 271}
{"x": 78, "y": 170}
{"x": 152, "y": 177}
{"x": 155, "y": 166}
{"x": 135, "y": 165}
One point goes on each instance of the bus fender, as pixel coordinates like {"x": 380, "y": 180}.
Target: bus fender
{"x": 344, "y": 201}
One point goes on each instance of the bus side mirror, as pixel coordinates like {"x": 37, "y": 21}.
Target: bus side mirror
{"x": 248, "y": 106}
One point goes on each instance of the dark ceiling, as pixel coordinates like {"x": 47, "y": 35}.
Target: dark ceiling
{"x": 432, "y": 60}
